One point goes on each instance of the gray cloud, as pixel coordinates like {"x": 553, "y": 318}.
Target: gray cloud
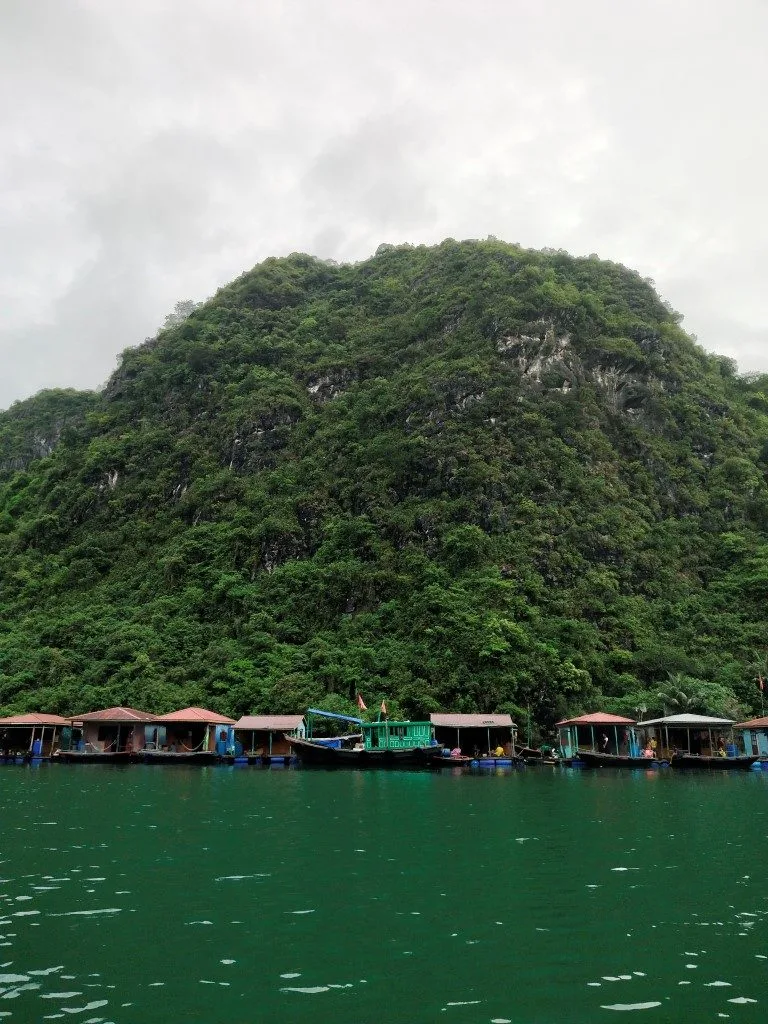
{"x": 151, "y": 151}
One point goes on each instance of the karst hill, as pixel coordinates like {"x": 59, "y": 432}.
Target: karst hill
{"x": 467, "y": 477}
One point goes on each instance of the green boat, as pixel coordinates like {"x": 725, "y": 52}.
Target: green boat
{"x": 381, "y": 744}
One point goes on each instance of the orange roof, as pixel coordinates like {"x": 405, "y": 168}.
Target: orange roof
{"x": 598, "y": 718}
{"x": 33, "y": 718}
{"x": 196, "y": 715}
{"x": 753, "y": 723}
{"x": 115, "y": 715}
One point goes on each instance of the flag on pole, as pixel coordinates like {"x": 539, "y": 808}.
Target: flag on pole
{"x": 761, "y": 682}
{"x": 384, "y": 709}
{"x": 361, "y": 703}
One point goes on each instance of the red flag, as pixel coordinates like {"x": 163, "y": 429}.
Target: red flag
{"x": 383, "y": 708}
{"x": 361, "y": 703}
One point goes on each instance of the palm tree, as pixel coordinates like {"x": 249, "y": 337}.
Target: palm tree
{"x": 674, "y": 696}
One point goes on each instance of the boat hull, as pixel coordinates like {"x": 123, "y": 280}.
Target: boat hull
{"x": 23, "y": 758}
{"x": 329, "y": 757}
{"x": 194, "y": 757}
{"x": 532, "y": 756}
{"x": 700, "y": 761}
{"x": 595, "y": 760}
{"x": 95, "y": 757}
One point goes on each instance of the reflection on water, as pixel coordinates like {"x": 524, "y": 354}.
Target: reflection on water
{"x": 525, "y": 896}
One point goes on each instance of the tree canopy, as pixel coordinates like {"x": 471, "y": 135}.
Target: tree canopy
{"x": 470, "y": 477}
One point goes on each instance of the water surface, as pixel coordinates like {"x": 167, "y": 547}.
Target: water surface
{"x": 235, "y": 894}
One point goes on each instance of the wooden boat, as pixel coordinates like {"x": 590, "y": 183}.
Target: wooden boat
{"x": 592, "y": 759}
{"x": 311, "y": 753}
{"x": 741, "y": 762}
{"x": 480, "y": 761}
{"x": 455, "y": 762}
{"x": 380, "y": 744}
{"x": 534, "y": 756}
{"x": 96, "y": 757}
{"x": 195, "y": 757}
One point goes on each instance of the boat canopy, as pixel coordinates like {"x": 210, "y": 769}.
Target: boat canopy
{"x": 687, "y": 722}
{"x": 333, "y": 714}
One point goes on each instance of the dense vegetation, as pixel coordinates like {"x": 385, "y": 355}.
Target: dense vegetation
{"x": 469, "y": 477}
{"x": 31, "y": 430}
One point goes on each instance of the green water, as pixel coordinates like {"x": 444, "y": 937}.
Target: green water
{"x": 247, "y": 895}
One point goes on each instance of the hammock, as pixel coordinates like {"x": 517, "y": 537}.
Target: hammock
{"x": 192, "y": 750}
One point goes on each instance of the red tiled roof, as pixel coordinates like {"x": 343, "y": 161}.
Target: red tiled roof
{"x": 598, "y": 718}
{"x": 270, "y": 723}
{"x": 753, "y": 723}
{"x": 472, "y": 721}
{"x": 33, "y": 718}
{"x": 115, "y": 715}
{"x": 196, "y": 715}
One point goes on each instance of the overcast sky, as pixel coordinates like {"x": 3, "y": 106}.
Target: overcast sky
{"x": 152, "y": 150}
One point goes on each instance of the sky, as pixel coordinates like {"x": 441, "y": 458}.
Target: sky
{"x": 151, "y": 151}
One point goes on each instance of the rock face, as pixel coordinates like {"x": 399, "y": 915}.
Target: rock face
{"x": 470, "y": 477}
{"x": 327, "y": 386}
{"x": 32, "y": 429}
{"x": 548, "y": 359}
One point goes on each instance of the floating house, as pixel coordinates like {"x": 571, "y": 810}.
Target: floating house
{"x": 191, "y": 730}
{"x": 30, "y": 735}
{"x": 117, "y": 730}
{"x": 475, "y": 734}
{"x": 697, "y": 735}
{"x": 585, "y": 732}
{"x": 264, "y": 736}
{"x": 754, "y": 733}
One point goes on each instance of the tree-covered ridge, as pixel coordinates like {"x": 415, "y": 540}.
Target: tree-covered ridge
{"x": 468, "y": 477}
{"x": 31, "y": 429}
